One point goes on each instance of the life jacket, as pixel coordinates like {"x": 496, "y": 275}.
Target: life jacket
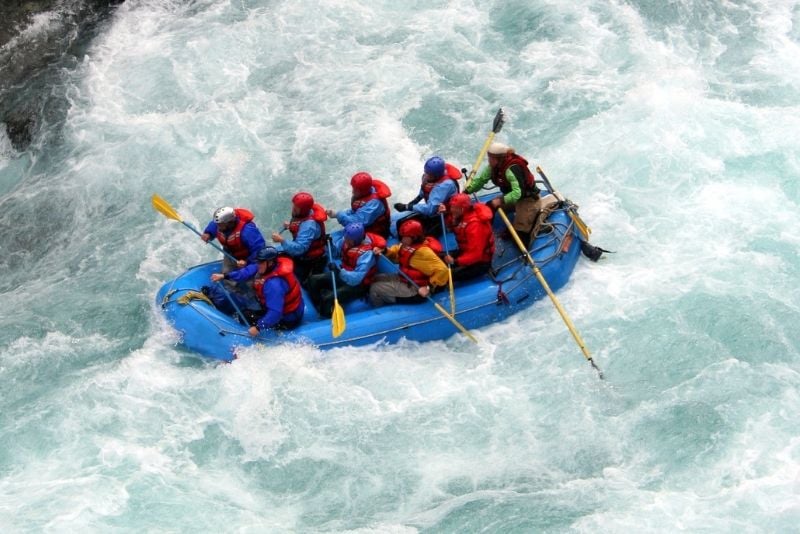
{"x": 528, "y": 185}
{"x": 381, "y": 192}
{"x": 351, "y": 255}
{"x": 318, "y": 215}
{"x": 404, "y": 259}
{"x": 232, "y": 243}
{"x": 284, "y": 269}
{"x": 467, "y": 231}
{"x": 451, "y": 172}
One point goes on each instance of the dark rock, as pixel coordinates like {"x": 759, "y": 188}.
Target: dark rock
{"x": 19, "y": 129}
{"x": 30, "y": 62}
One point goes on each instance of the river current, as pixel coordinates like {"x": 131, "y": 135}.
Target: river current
{"x": 673, "y": 125}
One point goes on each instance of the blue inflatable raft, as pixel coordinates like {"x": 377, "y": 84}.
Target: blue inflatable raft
{"x": 508, "y": 289}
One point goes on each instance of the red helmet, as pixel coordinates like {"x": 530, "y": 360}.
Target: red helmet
{"x": 412, "y": 228}
{"x": 361, "y": 183}
{"x": 460, "y": 200}
{"x": 304, "y": 201}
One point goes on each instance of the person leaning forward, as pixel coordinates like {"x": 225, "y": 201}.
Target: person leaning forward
{"x": 359, "y": 266}
{"x": 368, "y": 205}
{"x": 237, "y": 233}
{"x": 472, "y": 226}
{"x": 417, "y": 260}
{"x": 509, "y": 171}
{"x": 307, "y": 246}
{"x": 277, "y": 289}
{"x": 439, "y": 184}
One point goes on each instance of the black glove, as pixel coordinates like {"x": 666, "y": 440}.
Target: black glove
{"x": 332, "y": 267}
{"x": 399, "y": 206}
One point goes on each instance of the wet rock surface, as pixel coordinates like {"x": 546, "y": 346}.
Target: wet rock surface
{"x": 37, "y": 39}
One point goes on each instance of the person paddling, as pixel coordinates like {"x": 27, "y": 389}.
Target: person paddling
{"x": 307, "y": 246}
{"x": 439, "y": 184}
{"x": 472, "y": 226}
{"x": 418, "y": 260}
{"x": 238, "y": 234}
{"x": 368, "y": 205}
{"x": 509, "y": 171}
{"x": 359, "y": 265}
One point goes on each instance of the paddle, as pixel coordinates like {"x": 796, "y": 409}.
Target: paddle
{"x": 436, "y": 304}
{"x": 163, "y": 207}
{"x": 337, "y": 319}
{"x": 449, "y": 269}
{"x": 550, "y": 293}
{"x": 584, "y": 230}
{"x": 497, "y": 125}
{"x": 235, "y": 307}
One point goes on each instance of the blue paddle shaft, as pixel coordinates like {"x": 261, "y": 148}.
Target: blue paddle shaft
{"x": 195, "y": 230}
{"x": 333, "y": 273}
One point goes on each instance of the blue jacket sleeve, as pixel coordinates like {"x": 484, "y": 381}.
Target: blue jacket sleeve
{"x": 439, "y": 195}
{"x": 366, "y": 214}
{"x": 245, "y": 273}
{"x": 337, "y": 238}
{"x": 308, "y": 232}
{"x": 253, "y": 240}
{"x": 211, "y": 229}
{"x": 274, "y": 294}
{"x": 356, "y": 276}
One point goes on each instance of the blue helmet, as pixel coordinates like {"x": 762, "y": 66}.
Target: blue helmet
{"x": 354, "y": 232}
{"x": 434, "y": 167}
{"x": 267, "y": 253}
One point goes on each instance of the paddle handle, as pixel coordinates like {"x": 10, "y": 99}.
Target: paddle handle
{"x": 497, "y": 125}
{"x": 436, "y": 304}
{"x": 333, "y": 273}
{"x": 449, "y": 268}
{"x": 233, "y": 303}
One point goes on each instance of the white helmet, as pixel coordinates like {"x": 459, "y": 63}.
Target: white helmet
{"x": 498, "y": 149}
{"x": 224, "y": 215}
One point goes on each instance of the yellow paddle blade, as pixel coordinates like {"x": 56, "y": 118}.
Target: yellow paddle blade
{"x": 338, "y": 323}
{"x": 162, "y": 206}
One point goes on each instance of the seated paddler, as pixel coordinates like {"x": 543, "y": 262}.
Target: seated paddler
{"x": 307, "y": 246}
{"x": 354, "y": 247}
{"x": 418, "y": 260}
{"x": 237, "y": 233}
{"x": 368, "y": 205}
{"x": 438, "y": 184}
{"x": 277, "y": 290}
{"x": 472, "y": 226}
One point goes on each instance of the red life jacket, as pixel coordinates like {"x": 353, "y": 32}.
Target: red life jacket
{"x": 499, "y": 174}
{"x": 474, "y": 236}
{"x": 318, "y": 215}
{"x": 380, "y": 191}
{"x": 451, "y": 172}
{"x": 404, "y": 259}
{"x": 232, "y": 243}
{"x": 284, "y": 269}
{"x": 351, "y": 255}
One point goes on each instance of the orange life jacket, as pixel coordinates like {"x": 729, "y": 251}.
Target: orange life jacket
{"x": 232, "y": 243}
{"x": 451, "y": 173}
{"x": 284, "y": 269}
{"x": 380, "y": 191}
{"x": 351, "y": 255}
{"x": 404, "y": 259}
{"x": 318, "y": 215}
